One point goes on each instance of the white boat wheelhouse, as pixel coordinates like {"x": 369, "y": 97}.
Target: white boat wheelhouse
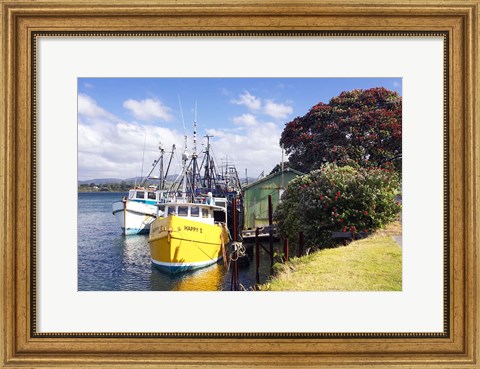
{"x": 199, "y": 212}
{"x": 147, "y": 195}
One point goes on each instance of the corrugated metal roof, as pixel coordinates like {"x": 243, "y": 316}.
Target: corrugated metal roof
{"x": 272, "y": 176}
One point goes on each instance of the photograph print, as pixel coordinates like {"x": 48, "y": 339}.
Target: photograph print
{"x": 240, "y": 184}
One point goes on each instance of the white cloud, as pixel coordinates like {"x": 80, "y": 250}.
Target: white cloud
{"x": 247, "y": 120}
{"x": 116, "y": 149}
{"x": 88, "y": 108}
{"x": 250, "y": 101}
{"x": 268, "y": 106}
{"x": 277, "y": 111}
{"x": 148, "y": 110}
{"x": 109, "y": 147}
{"x": 258, "y": 150}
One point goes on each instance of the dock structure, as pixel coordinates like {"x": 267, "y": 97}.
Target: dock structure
{"x": 256, "y": 204}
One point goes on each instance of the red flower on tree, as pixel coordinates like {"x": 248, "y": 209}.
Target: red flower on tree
{"x": 361, "y": 126}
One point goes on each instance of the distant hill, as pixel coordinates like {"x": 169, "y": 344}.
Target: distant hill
{"x": 102, "y": 181}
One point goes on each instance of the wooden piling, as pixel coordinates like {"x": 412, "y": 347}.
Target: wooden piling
{"x": 300, "y": 243}
{"x": 232, "y": 276}
{"x": 285, "y": 248}
{"x": 234, "y": 209}
{"x": 257, "y": 258}
{"x": 270, "y": 211}
{"x": 237, "y": 284}
{"x": 124, "y": 200}
{"x": 235, "y": 233}
{"x": 270, "y": 223}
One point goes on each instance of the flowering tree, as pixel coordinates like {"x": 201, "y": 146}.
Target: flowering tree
{"x": 338, "y": 199}
{"x": 360, "y": 127}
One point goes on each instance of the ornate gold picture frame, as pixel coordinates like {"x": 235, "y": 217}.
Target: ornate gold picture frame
{"x": 24, "y": 21}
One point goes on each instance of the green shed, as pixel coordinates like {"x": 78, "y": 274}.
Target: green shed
{"x": 256, "y": 196}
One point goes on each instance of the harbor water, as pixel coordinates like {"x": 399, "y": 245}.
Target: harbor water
{"x": 110, "y": 261}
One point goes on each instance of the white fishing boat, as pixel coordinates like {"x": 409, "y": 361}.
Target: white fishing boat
{"x": 138, "y": 210}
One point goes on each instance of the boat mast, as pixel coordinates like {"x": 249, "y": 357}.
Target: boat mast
{"x": 161, "y": 177}
{"x": 154, "y": 165}
{"x": 169, "y": 162}
{"x": 184, "y": 170}
{"x": 208, "y": 168}
{"x": 143, "y": 160}
{"x": 194, "y": 155}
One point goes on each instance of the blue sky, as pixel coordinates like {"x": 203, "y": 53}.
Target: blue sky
{"x": 118, "y": 116}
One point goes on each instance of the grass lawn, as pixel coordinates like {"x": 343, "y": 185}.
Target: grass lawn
{"x": 371, "y": 264}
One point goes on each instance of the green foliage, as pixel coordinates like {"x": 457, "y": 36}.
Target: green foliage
{"x": 277, "y": 168}
{"x": 337, "y": 199}
{"x": 359, "y": 126}
{"x": 106, "y": 187}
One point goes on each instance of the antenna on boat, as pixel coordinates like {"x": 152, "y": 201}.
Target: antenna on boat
{"x": 143, "y": 158}
{"x": 183, "y": 122}
{"x": 208, "y": 167}
{"x": 195, "y": 131}
{"x": 161, "y": 177}
{"x": 194, "y": 154}
{"x": 181, "y": 114}
{"x": 169, "y": 162}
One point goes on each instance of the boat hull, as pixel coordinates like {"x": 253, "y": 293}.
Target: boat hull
{"x": 138, "y": 216}
{"x": 178, "y": 244}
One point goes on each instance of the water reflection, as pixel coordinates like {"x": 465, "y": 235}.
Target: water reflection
{"x": 206, "y": 279}
{"x": 213, "y": 278}
{"x": 109, "y": 261}
{"x": 136, "y": 252}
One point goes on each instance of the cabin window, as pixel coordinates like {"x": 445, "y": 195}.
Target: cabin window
{"x": 220, "y": 203}
{"x": 204, "y": 213}
{"x": 219, "y": 216}
{"x": 151, "y": 195}
{"x": 194, "y": 211}
{"x": 140, "y": 195}
{"x": 182, "y": 211}
{"x": 161, "y": 208}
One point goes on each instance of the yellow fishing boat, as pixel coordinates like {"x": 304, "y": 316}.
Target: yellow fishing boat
{"x": 189, "y": 236}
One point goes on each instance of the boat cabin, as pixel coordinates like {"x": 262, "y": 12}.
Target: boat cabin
{"x": 208, "y": 214}
{"x": 147, "y": 195}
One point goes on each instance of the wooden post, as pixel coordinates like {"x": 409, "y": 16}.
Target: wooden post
{"x": 270, "y": 210}
{"x": 232, "y": 278}
{"x": 234, "y": 209}
{"x": 237, "y": 284}
{"x": 124, "y": 200}
{"x": 224, "y": 251}
{"x": 270, "y": 222}
{"x": 285, "y": 248}
{"x": 300, "y": 243}
{"x": 257, "y": 258}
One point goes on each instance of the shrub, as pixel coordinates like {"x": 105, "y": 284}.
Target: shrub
{"x": 337, "y": 199}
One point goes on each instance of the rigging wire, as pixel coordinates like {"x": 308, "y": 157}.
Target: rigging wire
{"x": 181, "y": 114}
{"x": 143, "y": 156}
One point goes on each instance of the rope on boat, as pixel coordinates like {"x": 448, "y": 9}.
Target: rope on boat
{"x": 238, "y": 251}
